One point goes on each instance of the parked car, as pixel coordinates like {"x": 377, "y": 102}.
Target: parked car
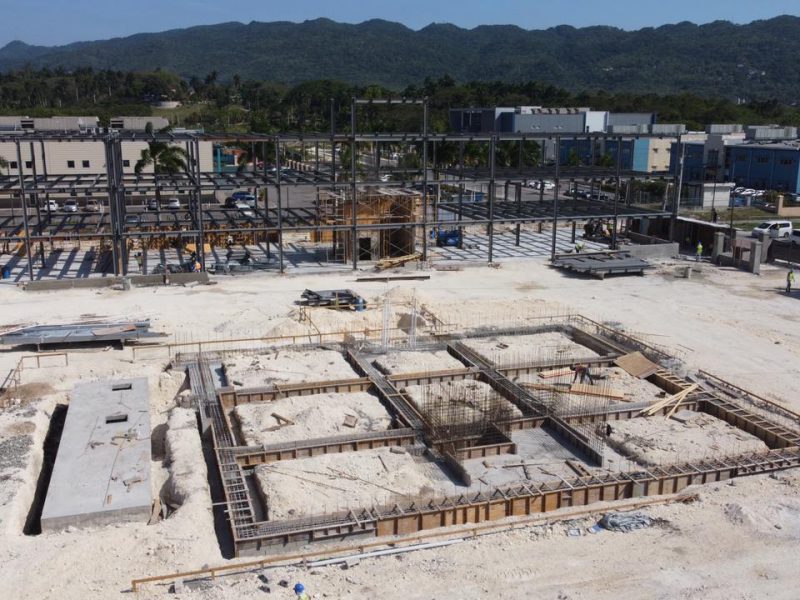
{"x": 774, "y": 229}
{"x": 70, "y": 206}
{"x": 795, "y": 237}
{"x": 244, "y": 209}
{"x": 131, "y": 219}
{"x": 246, "y": 197}
{"x": 51, "y": 205}
{"x": 230, "y": 202}
{"x": 91, "y": 206}
{"x": 152, "y": 204}
{"x": 173, "y": 204}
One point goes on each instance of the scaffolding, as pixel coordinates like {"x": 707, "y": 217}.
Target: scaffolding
{"x": 393, "y": 211}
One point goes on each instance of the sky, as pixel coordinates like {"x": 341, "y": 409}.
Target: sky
{"x": 55, "y": 22}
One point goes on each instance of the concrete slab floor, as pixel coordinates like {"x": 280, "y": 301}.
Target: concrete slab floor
{"x": 102, "y": 469}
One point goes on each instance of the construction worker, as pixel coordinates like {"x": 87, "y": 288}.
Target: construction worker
{"x": 699, "y": 251}
{"x": 300, "y": 591}
{"x": 582, "y": 371}
{"x": 789, "y": 281}
{"x": 140, "y": 262}
{"x": 578, "y": 247}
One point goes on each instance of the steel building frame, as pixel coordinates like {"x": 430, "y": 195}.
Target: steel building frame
{"x": 201, "y": 219}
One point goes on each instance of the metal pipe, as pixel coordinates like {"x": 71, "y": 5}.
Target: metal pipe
{"x": 375, "y": 553}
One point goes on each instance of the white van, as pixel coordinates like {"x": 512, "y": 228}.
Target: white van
{"x": 774, "y": 229}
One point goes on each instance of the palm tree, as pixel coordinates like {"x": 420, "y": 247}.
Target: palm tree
{"x": 164, "y": 158}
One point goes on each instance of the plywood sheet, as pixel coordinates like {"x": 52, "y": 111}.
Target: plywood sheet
{"x": 636, "y": 364}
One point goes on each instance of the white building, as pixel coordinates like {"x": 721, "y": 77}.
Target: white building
{"x": 79, "y": 157}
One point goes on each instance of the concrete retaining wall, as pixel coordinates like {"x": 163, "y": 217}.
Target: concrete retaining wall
{"x": 663, "y": 250}
{"x": 102, "y": 282}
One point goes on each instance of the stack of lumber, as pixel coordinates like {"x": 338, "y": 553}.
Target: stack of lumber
{"x": 674, "y": 401}
{"x": 389, "y": 263}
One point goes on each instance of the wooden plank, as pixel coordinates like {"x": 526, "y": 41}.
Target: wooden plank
{"x": 636, "y": 364}
{"x": 596, "y": 390}
{"x": 555, "y": 373}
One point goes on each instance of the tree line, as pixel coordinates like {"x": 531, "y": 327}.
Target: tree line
{"x": 239, "y": 104}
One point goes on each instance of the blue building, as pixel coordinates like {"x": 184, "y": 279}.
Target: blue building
{"x": 765, "y": 166}
{"x": 693, "y": 166}
{"x": 635, "y": 152}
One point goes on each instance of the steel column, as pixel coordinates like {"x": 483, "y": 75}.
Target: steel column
{"x": 24, "y": 212}
{"x": 279, "y": 203}
{"x": 555, "y": 197}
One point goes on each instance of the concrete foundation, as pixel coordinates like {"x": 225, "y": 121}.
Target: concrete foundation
{"x": 102, "y": 469}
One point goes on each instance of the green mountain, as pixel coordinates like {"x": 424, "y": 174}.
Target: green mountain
{"x": 751, "y": 61}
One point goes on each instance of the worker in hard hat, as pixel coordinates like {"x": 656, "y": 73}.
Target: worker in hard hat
{"x": 699, "y": 251}
{"x": 300, "y": 591}
{"x": 789, "y": 281}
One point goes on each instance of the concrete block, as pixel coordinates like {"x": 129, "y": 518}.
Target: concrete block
{"x": 102, "y": 469}
{"x": 754, "y": 264}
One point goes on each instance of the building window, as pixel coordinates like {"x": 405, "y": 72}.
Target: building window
{"x": 762, "y": 160}
{"x": 86, "y": 164}
{"x": 787, "y": 161}
{"x": 13, "y": 164}
{"x": 28, "y": 164}
{"x": 741, "y": 158}
{"x": 126, "y": 163}
{"x": 70, "y": 164}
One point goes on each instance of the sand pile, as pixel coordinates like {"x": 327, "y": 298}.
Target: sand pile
{"x": 287, "y": 366}
{"x": 318, "y": 415}
{"x": 416, "y": 362}
{"x": 657, "y": 440}
{"x": 339, "y": 482}
{"x": 188, "y": 477}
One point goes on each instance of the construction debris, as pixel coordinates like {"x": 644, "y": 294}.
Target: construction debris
{"x": 78, "y": 333}
{"x": 333, "y": 299}
{"x": 675, "y": 399}
{"x": 625, "y": 522}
